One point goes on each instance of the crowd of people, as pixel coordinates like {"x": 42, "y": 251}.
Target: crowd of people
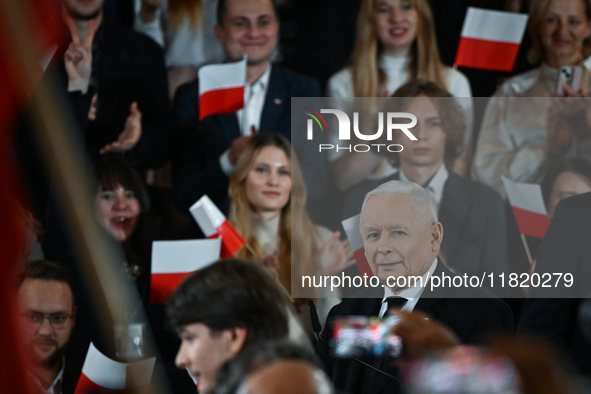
{"x": 436, "y": 208}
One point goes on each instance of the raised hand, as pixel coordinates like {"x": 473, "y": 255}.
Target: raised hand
{"x": 236, "y": 149}
{"x": 559, "y": 135}
{"x": 92, "y": 110}
{"x": 132, "y": 133}
{"x": 78, "y": 57}
{"x": 335, "y": 256}
{"x": 271, "y": 263}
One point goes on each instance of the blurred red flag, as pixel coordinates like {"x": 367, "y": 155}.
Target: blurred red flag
{"x": 25, "y": 25}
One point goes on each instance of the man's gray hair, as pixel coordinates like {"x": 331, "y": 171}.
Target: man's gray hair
{"x": 425, "y": 208}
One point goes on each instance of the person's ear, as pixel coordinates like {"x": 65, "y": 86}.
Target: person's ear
{"x": 436, "y": 236}
{"x": 237, "y": 339}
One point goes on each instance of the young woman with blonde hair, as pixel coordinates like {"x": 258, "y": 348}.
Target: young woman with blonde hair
{"x": 395, "y": 44}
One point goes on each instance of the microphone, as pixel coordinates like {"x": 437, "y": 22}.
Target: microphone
{"x": 316, "y": 327}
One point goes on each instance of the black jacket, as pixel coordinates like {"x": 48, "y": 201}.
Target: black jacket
{"x": 469, "y": 313}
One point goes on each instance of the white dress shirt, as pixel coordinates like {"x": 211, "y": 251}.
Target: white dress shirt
{"x": 412, "y": 294}
{"x": 435, "y": 185}
{"x": 254, "y": 101}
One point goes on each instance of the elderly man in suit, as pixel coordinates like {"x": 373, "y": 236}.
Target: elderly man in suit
{"x": 205, "y": 152}
{"x": 471, "y": 213}
{"x": 402, "y": 238}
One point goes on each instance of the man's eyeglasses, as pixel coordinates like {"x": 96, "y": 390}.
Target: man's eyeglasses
{"x": 56, "y": 320}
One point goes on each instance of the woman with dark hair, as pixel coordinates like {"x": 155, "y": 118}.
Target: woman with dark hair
{"x": 565, "y": 178}
{"x": 525, "y": 124}
{"x": 122, "y": 208}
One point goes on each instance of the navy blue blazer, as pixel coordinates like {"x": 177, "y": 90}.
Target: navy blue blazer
{"x": 197, "y": 146}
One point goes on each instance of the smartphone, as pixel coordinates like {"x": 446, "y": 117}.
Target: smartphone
{"x": 365, "y": 337}
{"x": 571, "y": 76}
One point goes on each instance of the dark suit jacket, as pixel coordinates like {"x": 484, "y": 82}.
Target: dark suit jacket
{"x": 473, "y": 219}
{"x": 131, "y": 68}
{"x": 552, "y": 312}
{"x": 469, "y": 313}
{"x": 197, "y": 146}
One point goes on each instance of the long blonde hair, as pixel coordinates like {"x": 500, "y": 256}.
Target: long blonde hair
{"x": 294, "y": 221}
{"x": 178, "y": 10}
{"x": 368, "y": 79}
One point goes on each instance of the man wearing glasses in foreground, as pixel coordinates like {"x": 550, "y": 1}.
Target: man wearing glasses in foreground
{"x": 46, "y": 305}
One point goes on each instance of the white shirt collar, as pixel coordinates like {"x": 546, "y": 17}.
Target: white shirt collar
{"x": 56, "y": 386}
{"x": 435, "y": 185}
{"x": 412, "y": 294}
{"x": 263, "y": 80}
{"x": 254, "y": 102}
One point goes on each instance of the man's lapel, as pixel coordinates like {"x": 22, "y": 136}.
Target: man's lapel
{"x": 229, "y": 126}
{"x": 453, "y": 212}
{"x": 277, "y": 97}
{"x": 431, "y": 298}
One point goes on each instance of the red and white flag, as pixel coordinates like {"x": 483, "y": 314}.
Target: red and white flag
{"x": 221, "y": 88}
{"x": 353, "y": 232}
{"x": 528, "y": 207}
{"x": 100, "y": 374}
{"x": 214, "y": 224}
{"x": 490, "y": 40}
{"x": 173, "y": 261}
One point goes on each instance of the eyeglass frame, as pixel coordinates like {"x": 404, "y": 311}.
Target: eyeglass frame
{"x": 48, "y": 316}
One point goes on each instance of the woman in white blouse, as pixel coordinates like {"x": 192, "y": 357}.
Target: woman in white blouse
{"x": 395, "y": 43}
{"x": 525, "y": 125}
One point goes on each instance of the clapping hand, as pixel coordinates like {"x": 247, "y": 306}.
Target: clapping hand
{"x": 567, "y": 119}
{"x": 335, "y": 255}
{"x": 130, "y": 135}
{"x": 271, "y": 263}
{"x": 78, "y": 57}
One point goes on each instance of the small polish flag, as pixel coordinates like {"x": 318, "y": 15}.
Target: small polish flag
{"x": 528, "y": 207}
{"x": 173, "y": 261}
{"x": 100, "y": 374}
{"x": 193, "y": 379}
{"x": 221, "y": 88}
{"x": 214, "y": 224}
{"x": 490, "y": 40}
{"x": 351, "y": 227}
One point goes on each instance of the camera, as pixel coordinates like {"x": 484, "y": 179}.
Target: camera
{"x": 365, "y": 337}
